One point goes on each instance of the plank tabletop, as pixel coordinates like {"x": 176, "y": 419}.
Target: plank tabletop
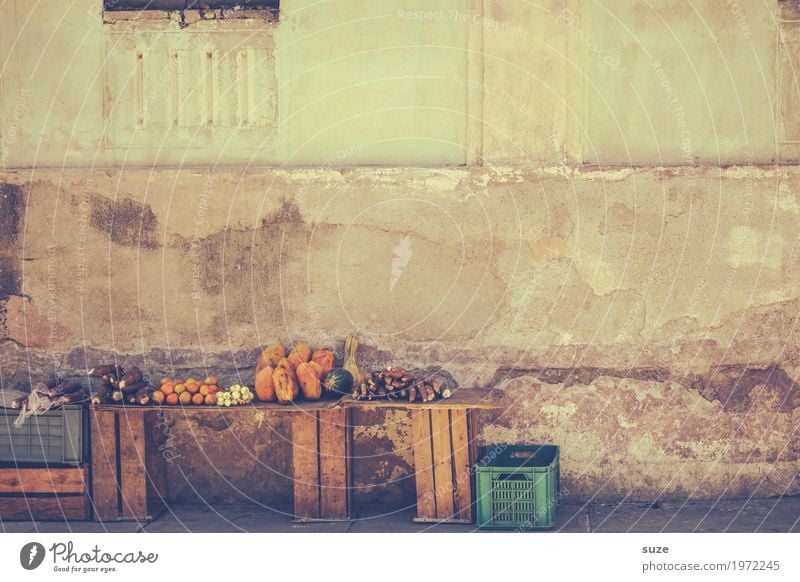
{"x": 462, "y": 398}
{"x": 301, "y": 406}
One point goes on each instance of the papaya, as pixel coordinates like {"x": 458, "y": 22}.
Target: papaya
{"x": 286, "y": 389}
{"x": 309, "y": 381}
{"x": 317, "y": 368}
{"x": 303, "y": 351}
{"x": 270, "y": 356}
{"x": 295, "y": 360}
{"x": 325, "y": 358}
{"x": 264, "y": 386}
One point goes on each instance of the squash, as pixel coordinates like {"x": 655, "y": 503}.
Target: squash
{"x": 286, "y": 389}
{"x": 309, "y": 381}
{"x": 295, "y": 360}
{"x": 325, "y": 358}
{"x": 290, "y": 368}
{"x": 270, "y": 356}
{"x": 338, "y": 382}
{"x": 264, "y": 385}
{"x": 350, "y": 364}
{"x": 317, "y": 368}
{"x": 303, "y": 351}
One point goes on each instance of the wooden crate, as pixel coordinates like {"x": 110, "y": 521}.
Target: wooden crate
{"x": 444, "y": 453}
{"x": 321, "y": 464}
{"x": 44, "y": 493}
{"x": 128, "y": 468}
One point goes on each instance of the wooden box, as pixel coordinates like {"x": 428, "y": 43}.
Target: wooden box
{"x": 44, "y": 493}
{"x": 128, "y": 467}
{"x": 444, "y": 453}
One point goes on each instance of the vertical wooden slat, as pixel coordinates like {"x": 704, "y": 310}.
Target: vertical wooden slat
{"x": 333, "y": 463}
{"x": 305, "y": 462}
{"x": 461, "y": 464}
{"x": 155, "y": 463}
{"x": 133, "y": 477}
{"x": 423, "y": 464}
{"x": 442, "y": 463}
{"x": 104, "y": 465}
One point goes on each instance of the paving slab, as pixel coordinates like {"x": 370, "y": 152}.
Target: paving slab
{"x": 235, "y": 518}
{"x": 756, "y": 515}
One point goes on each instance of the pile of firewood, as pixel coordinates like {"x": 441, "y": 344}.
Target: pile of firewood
{"x": 395, "y": 384}
{"x": 51, "y": 394}
{"x": 119, "y": 386}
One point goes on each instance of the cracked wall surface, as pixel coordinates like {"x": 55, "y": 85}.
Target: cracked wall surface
{"x": 593, "y": 210}
{"x": 636, "y": 325}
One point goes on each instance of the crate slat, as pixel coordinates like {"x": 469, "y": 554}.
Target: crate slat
{"x": 333, "y": 464}
{"x": 54, "y": 508}
{"x": 45, "y": 480}
{"x": 461, "y": 466}
{"x": 104, "y": 465}
{"x": 305, "y": 462}
{"x": 442, "y": 463}
{"x": 423, "y": 464}
{"x": 133, "y": 480}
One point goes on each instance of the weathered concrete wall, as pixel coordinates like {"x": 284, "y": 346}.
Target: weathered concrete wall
{"x": 646, "y": 320}
{"x": 643, "y": 318}
{"x": 400, "y": 82}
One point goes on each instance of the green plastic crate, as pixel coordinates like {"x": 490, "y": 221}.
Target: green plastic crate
{"x": 517, "y": 486}
{"x": 57, "y": 436}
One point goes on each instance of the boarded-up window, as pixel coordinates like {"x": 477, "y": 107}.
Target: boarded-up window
{"x": 189, "y": 4}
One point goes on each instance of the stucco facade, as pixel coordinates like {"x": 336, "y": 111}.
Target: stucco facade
{"x": 598, "y": 208}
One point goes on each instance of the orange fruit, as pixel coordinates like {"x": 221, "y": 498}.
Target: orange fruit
{"x": 210, "y": 380}
{"x": 211, "y": 399}
{"x": 180, "y": 388}
{"x": 172, "y": 399}
{"x": 198, "y": 398}
{"x": 192, "y": 388}
{"x": 158, "y": 397}
{"x": 185, "y": 398}
{"x": 179, "y": 380}
{"x": 204, "y": 390}
{"x": 191, "y": 381}
{"x": 213, "y": 389}
{"x": 167, "y": 388}
{"x": 165, "y": 379}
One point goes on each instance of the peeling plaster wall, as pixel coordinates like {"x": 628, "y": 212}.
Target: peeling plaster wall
{"x": 646, "y": 320}
{"x": 179, "y": 189}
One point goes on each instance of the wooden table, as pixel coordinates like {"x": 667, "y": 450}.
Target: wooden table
{"x": 444, "y": 450}
{"x": 129, "y": 471}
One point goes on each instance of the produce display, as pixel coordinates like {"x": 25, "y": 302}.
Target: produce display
{"x": 284, "y": 378}
{"x": 119, "y": 386}
{"x": 301, "y": 374}
{"x": 51, "y": 394}
{"x": 189, "y": 392}
{"x": 234, "y": 396}
{"x": 395, "y": 383}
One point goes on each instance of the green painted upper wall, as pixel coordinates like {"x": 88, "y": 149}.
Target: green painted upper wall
{"x": 401, "y": 82}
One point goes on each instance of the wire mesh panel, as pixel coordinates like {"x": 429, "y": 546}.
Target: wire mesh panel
{"x": 57, "y": 436}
